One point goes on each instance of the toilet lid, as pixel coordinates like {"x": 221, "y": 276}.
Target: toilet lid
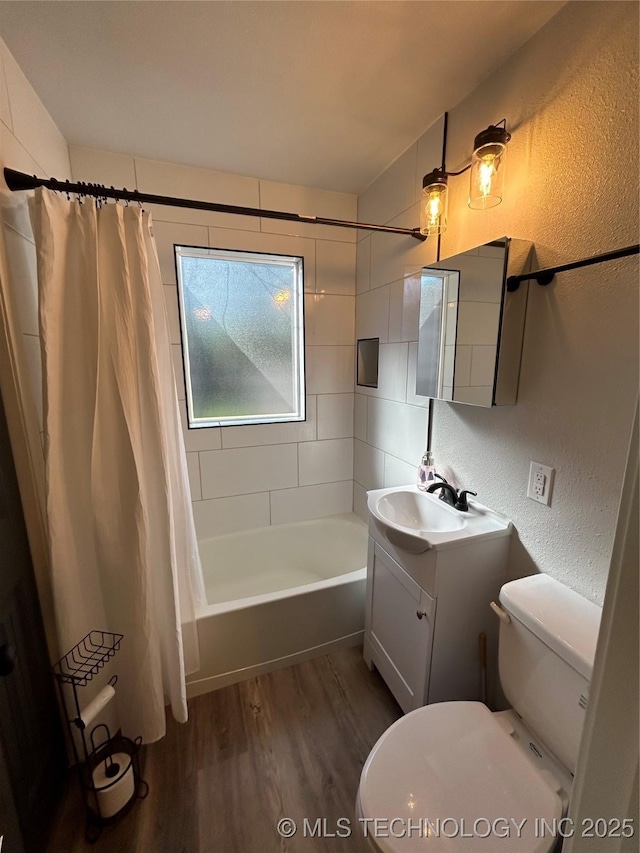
{"x": 456, "y": 766}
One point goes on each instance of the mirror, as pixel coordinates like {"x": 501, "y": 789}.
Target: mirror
{"x": 470, "y": 327}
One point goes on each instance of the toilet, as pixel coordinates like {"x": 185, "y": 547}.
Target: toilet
{"x": 455, "y": 776}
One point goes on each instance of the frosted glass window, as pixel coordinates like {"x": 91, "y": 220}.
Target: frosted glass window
{"x": 241, "y": 315}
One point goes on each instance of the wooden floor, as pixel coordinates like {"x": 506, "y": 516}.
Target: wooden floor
{"x": 288, "y": 744}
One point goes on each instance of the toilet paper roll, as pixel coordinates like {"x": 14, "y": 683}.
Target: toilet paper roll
{"x": 115, "y": 792}
{"x": 95, "y": 706}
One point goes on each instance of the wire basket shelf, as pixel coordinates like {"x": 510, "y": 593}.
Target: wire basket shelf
{"x": 87, "y": 658}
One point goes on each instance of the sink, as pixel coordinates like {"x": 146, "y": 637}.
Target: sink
{"x": 416, "y": 520}
{"x": 416, "y": 510}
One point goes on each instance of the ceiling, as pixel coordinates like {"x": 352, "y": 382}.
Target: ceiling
{"x": 322, "y": 94}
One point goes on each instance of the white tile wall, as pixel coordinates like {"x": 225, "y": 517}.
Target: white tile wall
{"x": 31, "y": 124}
{"x": 325, "y": 461}
{"x": 393, "y": 192}
{"x": 429, "y": 152}
{"x": 330, "y": 369}
{"x": 392, "y": 373}
{"x": 398, "y": 473}
{"x": 5, "y": 106}
{"x": 21, "y": 258}
{"x": 311, "y": 202}
{"x": 372, "y": 314}
{"x": 193, "y": 464}
{"x": 360, "y": 417}
{"x": 173, "y": 315}
{"x": 200, "y": 439}
{"x": 360, "y": 501}
{"x": 15, "y": 211}
{"x": 309, "y": 502}
{"x": 172, "y": 179}
{"x": 368, "y": 465}
{"x": 102, "y": 167}
{"x": 363, "y": 265}
{"x": 329, "y": 320}
{"x": 335, "y": 267}
{"x": 397, "y": 429}
{"x": 390, "y": 421}
{"x": 29, "y": 142}
{"x": 229, "y": 515}
{"x": 395, "y": 256}
{"x": 335, "y": 415}
{"x": 167, "y": 235}
{"x": 249, "y": 469}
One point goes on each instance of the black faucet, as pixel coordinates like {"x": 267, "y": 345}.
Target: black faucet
{"x": 451, "y": 496}
{"x": 462, "y": 504}
{"x": 449, "y": 493}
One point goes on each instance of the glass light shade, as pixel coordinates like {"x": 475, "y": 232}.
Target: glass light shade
{"x": 487, "y": 176}
{"x": 434, "y": 204}
{"x": 487, "y": 167}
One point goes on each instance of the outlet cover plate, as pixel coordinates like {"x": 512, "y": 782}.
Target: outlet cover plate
{"x": 540, "y": 483}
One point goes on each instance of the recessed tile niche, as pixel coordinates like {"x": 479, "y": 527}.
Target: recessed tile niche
{"x": 367, "y": 367}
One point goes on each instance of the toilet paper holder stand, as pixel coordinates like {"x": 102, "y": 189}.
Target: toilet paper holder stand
{"x": 72, "y": 672}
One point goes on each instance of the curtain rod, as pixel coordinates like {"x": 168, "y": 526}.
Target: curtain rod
{"x": 545, "y": 276}
{"x": 17, "y": 181}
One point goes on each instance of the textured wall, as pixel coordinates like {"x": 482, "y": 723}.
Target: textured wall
{"x": 570, "y": 99}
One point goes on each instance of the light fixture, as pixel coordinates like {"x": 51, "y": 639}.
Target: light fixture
{"x": 434, "y": 203}
{"x": 487, "y": 179}
{"x": 487, "y": 167}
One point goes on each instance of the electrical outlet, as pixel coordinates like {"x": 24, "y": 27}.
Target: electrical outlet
{"x": 540, "y": 483}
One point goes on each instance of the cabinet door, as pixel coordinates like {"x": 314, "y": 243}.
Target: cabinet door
{"x": 401, "y": 622}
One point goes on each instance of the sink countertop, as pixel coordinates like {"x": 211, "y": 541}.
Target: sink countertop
{"x": 417, "y": 521}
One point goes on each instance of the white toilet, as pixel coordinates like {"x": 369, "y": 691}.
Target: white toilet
{"x": 455, "y": 776}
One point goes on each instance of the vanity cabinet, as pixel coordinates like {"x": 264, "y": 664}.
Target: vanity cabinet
{"x": 424, "y": 615}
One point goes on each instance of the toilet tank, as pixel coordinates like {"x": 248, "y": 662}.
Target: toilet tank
{"x": 546, "y": 659}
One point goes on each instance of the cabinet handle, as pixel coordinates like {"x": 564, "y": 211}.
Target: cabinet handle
{"x": 421, "y": 613}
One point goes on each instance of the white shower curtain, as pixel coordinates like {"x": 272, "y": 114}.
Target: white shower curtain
{"x": 124, "y": 555}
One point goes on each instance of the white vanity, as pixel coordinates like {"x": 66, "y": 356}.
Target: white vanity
{"x": 432, "y": 572}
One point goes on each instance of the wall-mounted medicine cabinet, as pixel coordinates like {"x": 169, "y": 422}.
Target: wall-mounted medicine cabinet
{"x": 471, "y": 328}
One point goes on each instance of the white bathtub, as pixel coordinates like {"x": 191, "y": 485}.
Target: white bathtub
{"x": 279, "y": 595}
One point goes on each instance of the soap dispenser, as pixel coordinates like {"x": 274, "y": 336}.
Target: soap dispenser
{"x": 426, "y": 471}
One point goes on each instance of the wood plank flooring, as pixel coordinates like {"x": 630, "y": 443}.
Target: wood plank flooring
{"x": 288, "y": 744}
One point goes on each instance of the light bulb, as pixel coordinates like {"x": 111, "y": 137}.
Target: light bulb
{"x": 434, "y": 204}
{"x": 487, "y": 168}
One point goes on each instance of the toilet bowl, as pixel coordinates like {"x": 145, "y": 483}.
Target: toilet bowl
{"x": 455, "y": 776}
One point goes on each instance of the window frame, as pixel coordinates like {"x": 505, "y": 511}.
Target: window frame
{"x": 298, "y": 330}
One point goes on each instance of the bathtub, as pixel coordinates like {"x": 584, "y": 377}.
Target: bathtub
{"x": 279, "y": 595}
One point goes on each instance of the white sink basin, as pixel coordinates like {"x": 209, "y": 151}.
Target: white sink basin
{"x": 417, "y": 510}
{"x": 417, "y": 520}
